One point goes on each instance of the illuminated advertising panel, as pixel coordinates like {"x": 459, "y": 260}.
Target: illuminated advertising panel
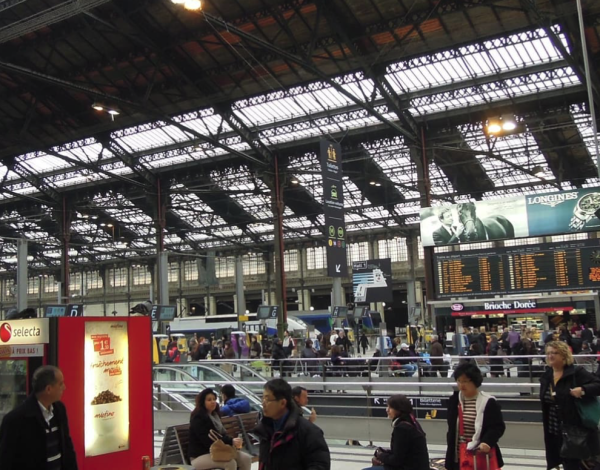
{"x": 106, "y": 397}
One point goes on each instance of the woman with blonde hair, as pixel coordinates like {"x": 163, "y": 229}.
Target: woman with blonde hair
{"x": 561, "y": 386}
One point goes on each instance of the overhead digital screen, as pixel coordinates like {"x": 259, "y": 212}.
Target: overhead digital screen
{"x": 55, "y": 311}
{"x": 265, "y": 312}
{"x": 531, "y": 268}
{"x": 163, "y": 312}
{"x": 339, "y": 312}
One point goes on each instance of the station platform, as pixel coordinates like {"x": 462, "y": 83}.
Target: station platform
{"x": 344, "y": 457}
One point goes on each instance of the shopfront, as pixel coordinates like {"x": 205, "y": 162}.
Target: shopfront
{"x": 540, "y": 314}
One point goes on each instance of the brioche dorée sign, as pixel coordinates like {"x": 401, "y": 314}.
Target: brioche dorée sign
{"x": 511, "y": 305}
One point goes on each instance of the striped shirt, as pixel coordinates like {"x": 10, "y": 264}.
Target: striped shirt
{"x": 469, "y": 415}
{"x": 53, "y": 454}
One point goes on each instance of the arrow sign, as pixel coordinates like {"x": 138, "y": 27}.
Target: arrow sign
{"x": 337, "y": 268}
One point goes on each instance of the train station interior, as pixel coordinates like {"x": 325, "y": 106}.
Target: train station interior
{"x": 404, "y": 170}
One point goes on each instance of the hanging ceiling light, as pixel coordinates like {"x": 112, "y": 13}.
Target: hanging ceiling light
{"x": 509, "y": 123}
{"x": 192, "y": 5}
{"x": 294, "y": 180}
{"x": 98, "y": 106}
{"x": 494, "y": 126}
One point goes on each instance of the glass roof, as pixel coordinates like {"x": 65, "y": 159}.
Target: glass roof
{"x": 484, "y": 74}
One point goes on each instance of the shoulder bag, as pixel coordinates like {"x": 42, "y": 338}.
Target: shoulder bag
{"x": 577, "y": 440}
{"x": 219, "y": 451}
{"x": 588, "y": 409}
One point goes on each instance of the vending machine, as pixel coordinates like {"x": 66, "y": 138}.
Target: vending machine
{"x": 23, "y": 348}
{"x": 107, "y": 366}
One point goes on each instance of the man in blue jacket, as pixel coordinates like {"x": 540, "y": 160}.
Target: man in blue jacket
{"x": 231, "y": 404}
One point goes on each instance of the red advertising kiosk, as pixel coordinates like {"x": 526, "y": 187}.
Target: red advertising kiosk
{"x": 107, "y": 365}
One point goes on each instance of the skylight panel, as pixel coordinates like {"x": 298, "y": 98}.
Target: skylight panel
{"x": 44, "y": 163}
{"x": 352, "y": 195}
{"x": 585, "y": 128}
{"x": 176, "y": 134}
{"x": 88, "y": 153}
{"x": 479, "y": 64}
{"x": 208, "y": 125}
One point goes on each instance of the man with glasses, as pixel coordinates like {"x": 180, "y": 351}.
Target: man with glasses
{"x": 287, "y": 441}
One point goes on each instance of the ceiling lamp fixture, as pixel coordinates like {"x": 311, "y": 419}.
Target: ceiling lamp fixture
{"x": 294, "y": 180}
{"x": 372, "y": 183}
{"x": 538, "y": 171}
{"x": 192, "y": 5}
{"x": 494, "y": 126}
{"x": 509, "y": 123}
{"x": 503, "y": 126}
{"x": 109, "y": 109}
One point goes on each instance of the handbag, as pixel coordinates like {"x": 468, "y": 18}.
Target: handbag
{"x": 575, "y": 442}
{"x": 219, "y": 451}
{"x": 588, "y": 409}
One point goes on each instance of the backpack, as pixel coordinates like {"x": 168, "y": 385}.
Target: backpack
{"x": 172, "y": 355}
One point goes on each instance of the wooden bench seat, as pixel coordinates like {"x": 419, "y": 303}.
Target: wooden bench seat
{"x": 176, "y": 441}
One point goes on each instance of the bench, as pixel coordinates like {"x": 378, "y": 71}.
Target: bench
{"x": 175, "y": 444}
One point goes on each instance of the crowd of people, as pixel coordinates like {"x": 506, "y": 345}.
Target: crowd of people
{"x": 36, "y": 433}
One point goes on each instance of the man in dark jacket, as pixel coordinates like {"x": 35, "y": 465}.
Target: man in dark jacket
{"x": 35, "y": 435}
{"x": 286, "y": 440}
{"x": 232, "y": 405}
{"x": 437, "y": 357}
{"x": 343, "y": 341}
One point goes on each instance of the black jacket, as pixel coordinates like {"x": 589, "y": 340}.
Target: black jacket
{"x": 300, "y": 445}
{"x": 200, "y": 426}
{"x": 441, "y": 236}
{"x": 572, "y": 377}
{"x": 23, "y": 437}
{"x": 408, "y": 448}
{"x": 492, "y": 430}
{"x": 344, "y": 343}
{"x": 277, "y": 353}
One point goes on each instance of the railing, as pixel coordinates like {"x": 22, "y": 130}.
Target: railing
{"x": 508, "y": 377}
{"x": 514, "y": 366}
{"x": 359, "y": 389}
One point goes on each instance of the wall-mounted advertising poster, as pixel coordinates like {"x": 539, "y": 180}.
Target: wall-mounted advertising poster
{"x": 533, "y": 215}
{"x": 564, "y": 212}
{"x": 372, "y": 280}
{"x": 106, "y": 407}
{"x": 474, "y": 221}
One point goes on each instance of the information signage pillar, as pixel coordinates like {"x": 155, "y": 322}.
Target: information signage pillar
{"x": 333, "y": 208}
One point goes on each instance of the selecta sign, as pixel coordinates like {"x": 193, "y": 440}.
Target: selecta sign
{"x": 31, "y": 331}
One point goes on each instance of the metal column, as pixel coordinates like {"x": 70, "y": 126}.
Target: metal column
{"x": 163, "y": 278}
{"x": 239, "y": 290}
{"x": 22, "y": 279}
{"x": 338, "y": 298}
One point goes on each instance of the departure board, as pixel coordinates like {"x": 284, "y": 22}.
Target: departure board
{"x": 531, "y": 268}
